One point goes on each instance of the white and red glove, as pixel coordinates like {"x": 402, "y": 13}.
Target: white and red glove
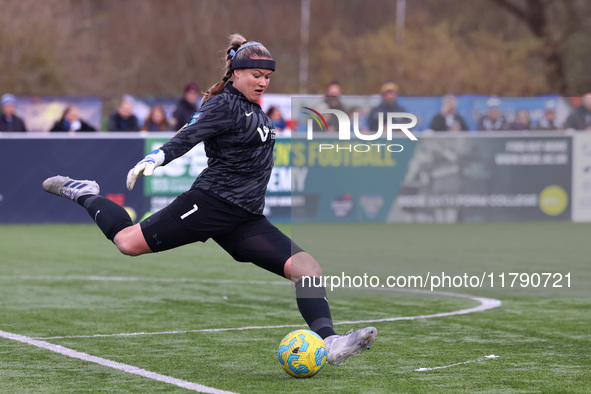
{"x": 145, "y": 167}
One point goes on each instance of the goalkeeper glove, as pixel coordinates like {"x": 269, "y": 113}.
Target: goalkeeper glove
{"x": 145, "y": 167}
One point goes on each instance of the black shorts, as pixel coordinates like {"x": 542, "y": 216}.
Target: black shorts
{"x": 198, "y": 215}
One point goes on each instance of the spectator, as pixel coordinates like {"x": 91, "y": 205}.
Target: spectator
{"x": 448, "y": 119}
{"x": 580, "y": 118}
{"x": 493, "y": 120}
{"x": 332, "y": 100}
{"x": 521, "y": 121}
{"x": 71, "y": 122}
{"x": 156, "y": 120}
{"x": 389, "y": 103}
{"x": 274, "y": 113}
{"x": 361, "y": 114}
{"x": 123, "y": 119}
{"x": 8, "y": 120}
{"x": 187, "y": 105}
{"x": 548, "y": 122}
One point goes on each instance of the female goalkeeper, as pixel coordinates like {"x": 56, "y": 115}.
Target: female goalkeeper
{"x": 226, "y": 200}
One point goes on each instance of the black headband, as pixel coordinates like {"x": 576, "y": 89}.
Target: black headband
{"x": 267, "y": 64}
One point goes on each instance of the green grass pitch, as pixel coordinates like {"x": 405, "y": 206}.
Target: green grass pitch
{"x": 69, "y": 281}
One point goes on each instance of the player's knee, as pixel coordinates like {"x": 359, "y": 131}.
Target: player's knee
{"x": 300, "y": 265}
{"x": 127, "y": 243}
{"x": 126, "y": 247}
{"x": 313, "y": 269}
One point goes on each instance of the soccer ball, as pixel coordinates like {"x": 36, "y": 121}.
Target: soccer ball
{"x": 302, "y": 353}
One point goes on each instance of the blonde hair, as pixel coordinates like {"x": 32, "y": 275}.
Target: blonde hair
{"x": 250, "y": 52}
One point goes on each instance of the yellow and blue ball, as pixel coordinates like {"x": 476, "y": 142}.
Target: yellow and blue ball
{"x": 302, "y": 353}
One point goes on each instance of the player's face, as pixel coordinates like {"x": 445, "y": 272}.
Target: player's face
{"x": 252, "y": 82}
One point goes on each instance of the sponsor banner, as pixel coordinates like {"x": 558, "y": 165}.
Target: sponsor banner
{"x": 468, "y": 179}
{"x": 338, "y": 181}
{"x": 178, "y": 176}
{"x": 27, "y": 162}
{"x": 437, "y": 179}
{"x": 581, "y": 196}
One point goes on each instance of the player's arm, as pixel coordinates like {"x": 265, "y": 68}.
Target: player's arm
{"x": 211, "y": 119}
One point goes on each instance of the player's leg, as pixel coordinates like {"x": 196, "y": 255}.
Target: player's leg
{"x": 258, "y": 241}
{"x": 263, "y": 244}
{"x": 302, "y": 268}
{"x": 130, "y": 241}
{"x": 110, "y": 217}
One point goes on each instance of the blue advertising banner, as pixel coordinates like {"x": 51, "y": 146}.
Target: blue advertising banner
{"x": 471, "y": 108}
{"x": 26, "y": 162}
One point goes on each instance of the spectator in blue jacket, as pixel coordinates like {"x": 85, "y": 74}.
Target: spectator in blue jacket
{"x": 274, "y": 113}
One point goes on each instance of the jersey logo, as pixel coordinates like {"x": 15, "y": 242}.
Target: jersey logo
{"x": 248, "y": 113}
{"x": 195, "y": 118}
{"x": 264, "y": 134}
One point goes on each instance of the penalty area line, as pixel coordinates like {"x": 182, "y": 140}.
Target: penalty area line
{"x": 484, "y": 305}
{"x": 112, "y": 364}
{"x": 489, "y": 357}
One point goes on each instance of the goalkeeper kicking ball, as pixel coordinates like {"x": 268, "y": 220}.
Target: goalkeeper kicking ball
{"x": 302, "y": 353}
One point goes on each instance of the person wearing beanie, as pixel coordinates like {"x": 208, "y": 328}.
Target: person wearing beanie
{"x": 493, "y": 120}
{"x": 8, "y": 120}
{"x": 389, "y": 92}
{"x": 186, "y": 105}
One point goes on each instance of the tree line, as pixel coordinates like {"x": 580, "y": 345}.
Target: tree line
{"x": 109, "y": 48}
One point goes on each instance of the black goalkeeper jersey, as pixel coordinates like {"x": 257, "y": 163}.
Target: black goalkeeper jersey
{"x": 238, "y": 138}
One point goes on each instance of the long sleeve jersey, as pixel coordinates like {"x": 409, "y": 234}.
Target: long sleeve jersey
{"x": 238, "y": 137}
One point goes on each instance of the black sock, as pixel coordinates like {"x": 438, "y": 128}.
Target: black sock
{"x": 108, "y": 215}
{"x": 314, "y": 308}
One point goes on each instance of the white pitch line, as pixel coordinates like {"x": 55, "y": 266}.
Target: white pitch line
{"x": 492, "y": 356}
{"x": 485, "y": 304}
{"x": 113, "y": 364}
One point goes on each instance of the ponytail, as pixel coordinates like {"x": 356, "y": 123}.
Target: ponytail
{"x": 246, "y": 55}
{"x": 236, "y": 41}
